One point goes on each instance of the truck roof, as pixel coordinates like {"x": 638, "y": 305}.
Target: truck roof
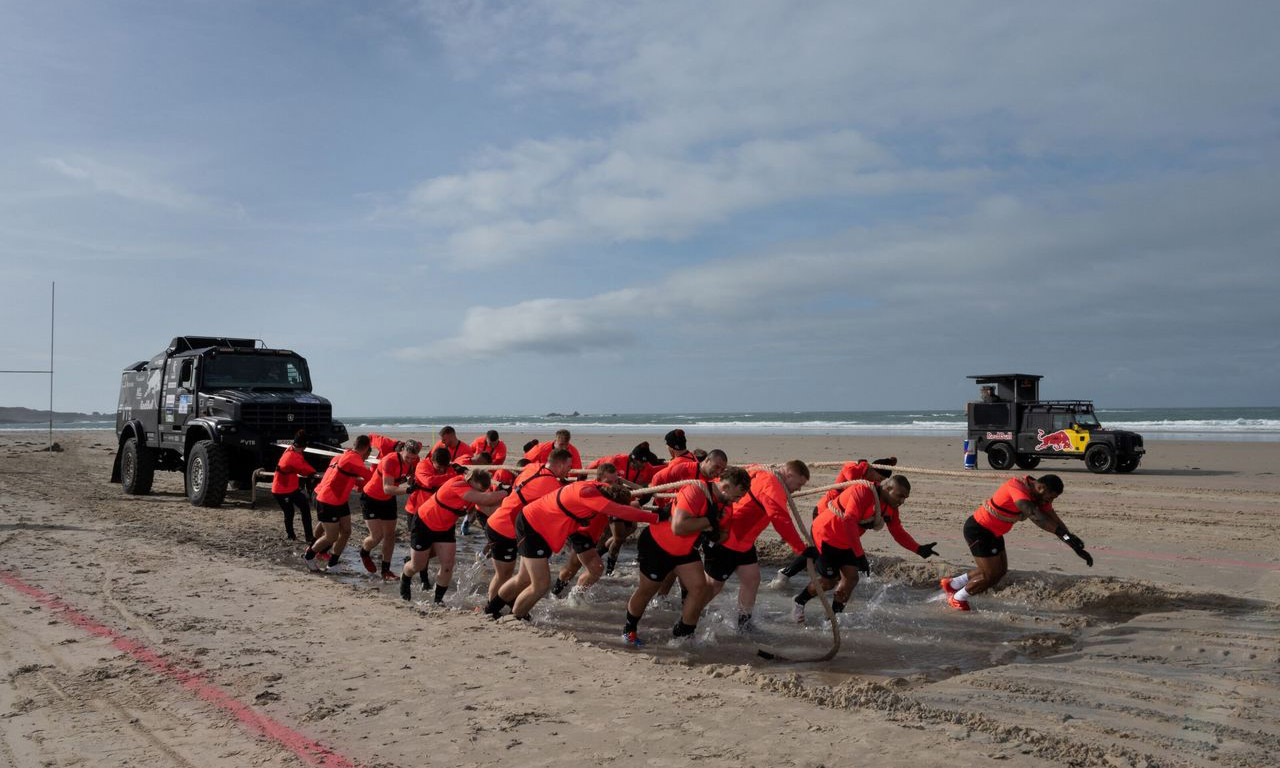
{"x": 983, "y": 378}
{"x": 189, "y": 343}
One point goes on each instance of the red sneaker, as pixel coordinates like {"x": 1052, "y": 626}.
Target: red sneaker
{"x": 369, "y": 565}
{"x": 959, "y": 605}
{"x": 323, "y": 557}
{"x": 389, "y": 576}
{"x": 946, "y": 587}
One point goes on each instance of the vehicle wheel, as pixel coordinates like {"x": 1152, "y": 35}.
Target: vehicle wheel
{"x": 1100, "y": 459}
{"x": 1000, "y": 455}
{"x": 137, "y": 467}
{"x": 1127, "y": 464}
{"x": 207, "y": 469}
{"x": 1027, "y": 461}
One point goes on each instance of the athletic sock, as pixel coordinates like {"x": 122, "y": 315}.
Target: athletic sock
{"x": 310, "y": 554}
{"x": 559, "y": 586}
{"x": 959, "y": 582}
{"x": 610, "y": 564}
{"x": 386, "y": 567}
{"x": 440, "y": 590}
{"x": 683, "y": 630}
{"x": 804, "y": 596}
{"x": 743, "y": 618}
{"x": 364, "y": 553}
{"x": 962, "y": 595}
{"x": 837, "y": 606}
{"x": 426, "y": 580}
{"x": 495, "y": 606}
{"x": 633, "y": 623}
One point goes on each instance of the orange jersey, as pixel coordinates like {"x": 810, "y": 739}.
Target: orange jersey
{"x": 341, "y": 478}
{"x": 575, "y": 507}
{"x": 383, "y": 444}
{"x": 622, "y": 462}
{"x": 850, "y": 515}
{"x": 679, "y": 468}
{"x": 442, "y": 510}
{"x": 428, "y": 479}
{"x": 533, "y": 483}
{"x": 460, "y": 453}
{"x": 853, "y": 470}
{"x": 765, "y": 503}
{"x": 539, "y": 453}
{"x": 498, "y": 450}
{"x": 693, "y": 501}
{"x": 998, "y": 513}
{"x": 390, "y": 467}
{"x": 503, "y": 477}
{"x": 291, "y": 465}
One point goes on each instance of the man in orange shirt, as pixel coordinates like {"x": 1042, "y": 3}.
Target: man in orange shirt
{"x": 459, "y": 452}
{"x": 637, "y": 468}
{"x": 384, "y": 445}
{"x": 667, "y": 547}
{"x": 332, "y": 509}
{"x": 686, "y": 468}
{"x": 584, "y": 541}
{"x": 544, "y": 526}
{"x": 435, "y": 524}
{"x": 490, "y": 444}
{"x": 285, "y": 486}
{"x": 538, "y": 453}
{"x": 837, "y": 535}
{"x": 1020, "y": 498}
{"x": 764, "y": 504}
{"x": 678, "y": 445}
{"x": 378, "y": 499}
{"x": 536, "y": 481}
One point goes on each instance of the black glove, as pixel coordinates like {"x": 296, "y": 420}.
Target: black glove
{"x": 860, "y": 562}
{"x": 810, "y": 553}
{"x": 504, "y": 487}
{"x": 926, "y": 550}
{"x": 458, "y": 468}
{"x": 1085, "y": 556}
{"x": 1076, "y": 544}
{"x": 664, "y": 514}
{"x": 411, "y": 485}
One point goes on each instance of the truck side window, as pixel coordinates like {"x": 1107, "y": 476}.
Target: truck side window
{"x": 185, "y": 377}
{"x": 1063, "y": 421}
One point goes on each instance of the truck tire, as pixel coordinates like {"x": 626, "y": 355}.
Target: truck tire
{"x": 1000, "y": 455}
{"x": 1100, "y": 459}
{"x": 137, "y": 467}
{"x": 208, "y": 467}
{"x": 1127, "y": 464}
{"x": 1027, "y": 461}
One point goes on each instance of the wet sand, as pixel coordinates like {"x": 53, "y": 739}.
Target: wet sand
{"x": 1165, "y": 653}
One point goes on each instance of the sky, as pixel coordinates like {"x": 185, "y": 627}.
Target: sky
{"x": 514, "y": 208}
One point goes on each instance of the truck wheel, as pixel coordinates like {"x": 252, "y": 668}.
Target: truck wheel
{"x": 1127, "y": 464}
{"x": 207, "y": 469}
{"x": 1027, "y": 461}
{"x": 1000, "y": 455}
{"x": 1100, "y": 459}
{"x": 137, "y": 467}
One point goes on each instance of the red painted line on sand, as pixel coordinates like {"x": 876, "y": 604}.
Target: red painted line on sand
{"x": 311, "y": 752}
{"x": 1142, "y": 555}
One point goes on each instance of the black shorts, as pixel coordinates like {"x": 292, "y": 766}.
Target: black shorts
{"x": 720, "y": 561}
{"x": 581, "y": 542}
{"x": 529, "y": 543}
{"x": 830, "y": 559}
{"x": 501, "y": 548}
{"x": 331, "y": 513}
{"x": 655, "y": 562}
{"x": 982, "y": 542}
{"x": 378, "y": 509}
{"x": 421, "y": 537}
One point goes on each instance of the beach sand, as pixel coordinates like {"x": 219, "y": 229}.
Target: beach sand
{"x": 1165, "y": 653}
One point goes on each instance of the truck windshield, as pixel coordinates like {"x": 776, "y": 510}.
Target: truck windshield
{"x": 255, "y": 371}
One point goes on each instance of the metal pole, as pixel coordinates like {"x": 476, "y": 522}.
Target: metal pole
{"x": 53, "y": 295}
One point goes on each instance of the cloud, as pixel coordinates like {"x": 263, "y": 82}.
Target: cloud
{"x": 136, "y": 186}
{"x": 715, "y": 111}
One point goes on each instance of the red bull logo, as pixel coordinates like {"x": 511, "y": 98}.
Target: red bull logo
{"x": 1058, "y": 441}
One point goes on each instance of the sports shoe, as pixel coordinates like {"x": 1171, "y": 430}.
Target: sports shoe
{"x": 406, "y": 587}
{"x": 313, "y": 564}
{"x": 945, "y": 583}
{"x": 389, "y": 576}
{"x": 959, "y": 605}
{"x": 367, "y": 559}
{"x": 780, "y": 581}
{"x": 558, "y": 587}
{"x": 797, "y": 613}
{"x": 323, "y": 557}
{"x": 632, "y": 639}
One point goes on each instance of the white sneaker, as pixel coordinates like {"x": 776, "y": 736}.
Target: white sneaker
{"x": 780, "y": 581}
{"x": 797, "y": 613}
{"x": 313, "y": 564}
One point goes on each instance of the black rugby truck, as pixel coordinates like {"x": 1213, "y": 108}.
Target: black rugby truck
{"x": 213, "y": 408}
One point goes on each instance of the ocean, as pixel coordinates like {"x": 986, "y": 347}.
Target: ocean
{"x": 1233, "y": 424}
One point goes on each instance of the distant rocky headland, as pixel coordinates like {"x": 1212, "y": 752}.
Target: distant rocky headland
{"x": 32, "y": 416}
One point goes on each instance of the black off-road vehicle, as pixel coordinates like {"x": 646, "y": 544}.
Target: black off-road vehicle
{"x": 1014, "y": 426}
{"x": 214, "y": 408}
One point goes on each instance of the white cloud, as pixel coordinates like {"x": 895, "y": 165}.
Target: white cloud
{"x": 134, "y": 185}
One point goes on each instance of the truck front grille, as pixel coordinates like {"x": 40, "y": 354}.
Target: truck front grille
{"x": 284, "y": 419}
